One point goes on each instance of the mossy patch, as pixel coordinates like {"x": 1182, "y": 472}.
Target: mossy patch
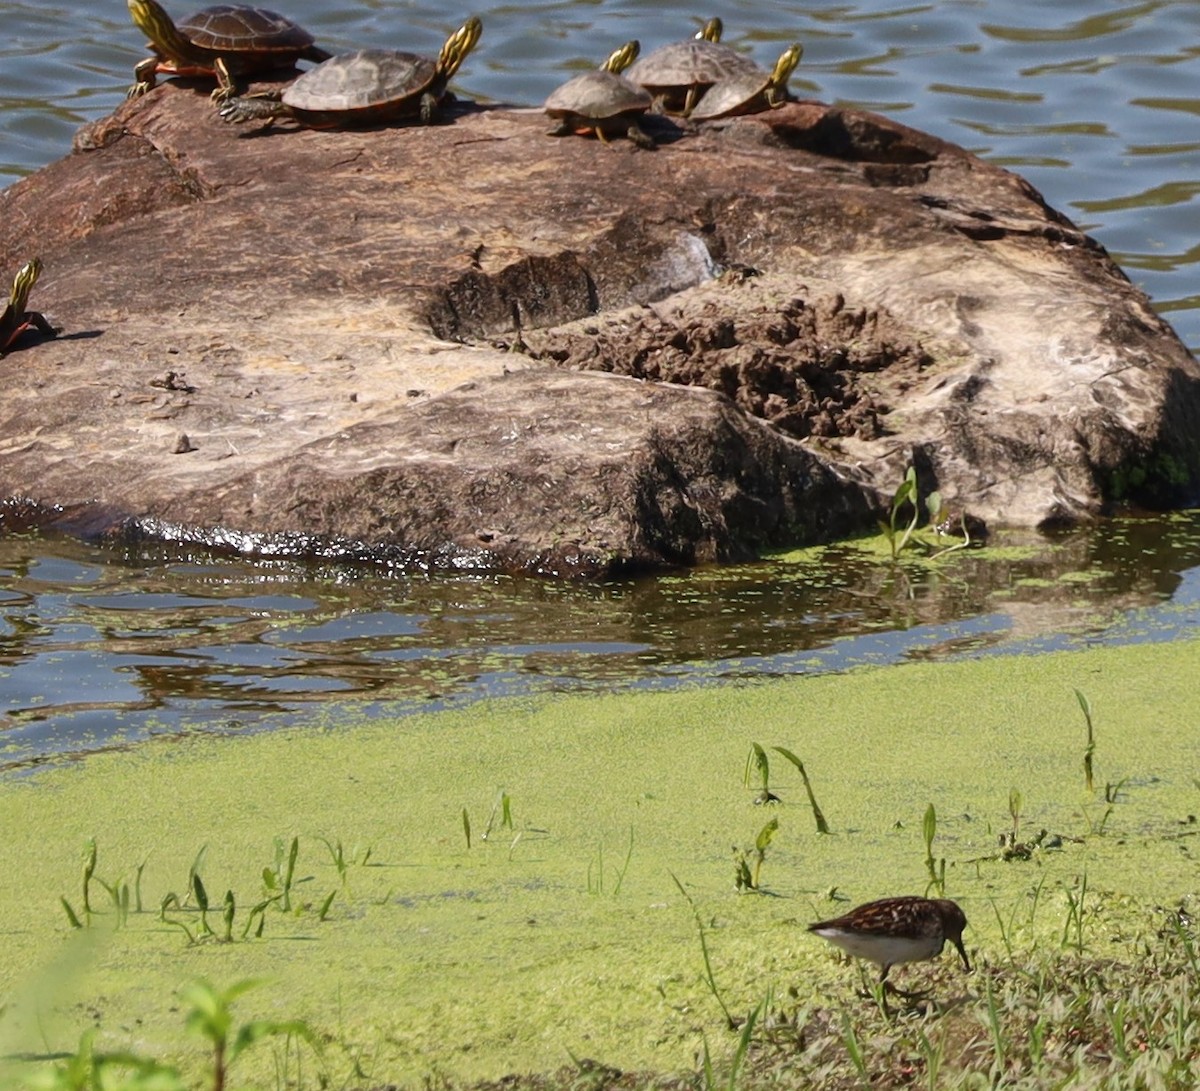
{"x": 555, "y": 935}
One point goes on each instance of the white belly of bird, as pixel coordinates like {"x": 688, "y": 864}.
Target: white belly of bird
{"x": 886, "y": 950}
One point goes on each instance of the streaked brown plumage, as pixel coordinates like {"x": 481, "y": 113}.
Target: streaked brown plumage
{"x": 895, "y": 930}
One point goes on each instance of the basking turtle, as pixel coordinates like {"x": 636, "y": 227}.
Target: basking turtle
{"x": 366, "y": 87}
{"x": 749, "y": 92}
{"x": 677, "y": 74}
{"x": 224, "y": 41}
{"x": 16, "y": 319}
{"x": 602, "y": 102}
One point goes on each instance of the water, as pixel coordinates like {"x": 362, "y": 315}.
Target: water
{"x": 99, "y": 649}
{"x": 1094, "y": 102}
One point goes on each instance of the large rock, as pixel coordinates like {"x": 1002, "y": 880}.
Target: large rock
{"x": 395, "y": 342}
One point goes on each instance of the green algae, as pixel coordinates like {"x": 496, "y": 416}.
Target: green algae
{"x": 436, "y": 958}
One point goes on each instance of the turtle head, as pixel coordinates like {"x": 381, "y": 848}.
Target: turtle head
{"x": 23, "y": 284}
{"x": 711, "y": 31}
{"x": 785, "y": 66}
{"x": 620, "y": 59}
{"x": 457, "y": 46}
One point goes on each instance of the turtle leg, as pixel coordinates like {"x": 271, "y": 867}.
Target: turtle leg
{"x": 640, "y": 137}
{"x": 429, "y": 108}
{"x": 776, "y": 98}
{"x": 689, "y": 103}
{"x": 227, "y": 87}
{"x": 252, "y": 108}
{"x": 271, "y": 94}
{"x": 41, "y": 323}
{"x": 9, "y": 337}
{"x": 144, "y": 74}
{"x": 601, "y": 134}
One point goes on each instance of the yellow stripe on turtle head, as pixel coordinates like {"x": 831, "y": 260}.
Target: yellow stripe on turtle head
{"x": 23, "y": 283}
{"x": 458, "y": 45}
{"x": 151, "y": 18}
{"x": 620, "y": 59}
{"x": 786, "y": 65}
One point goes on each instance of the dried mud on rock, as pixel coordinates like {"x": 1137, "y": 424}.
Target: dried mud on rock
{"x": 809, "y": 368}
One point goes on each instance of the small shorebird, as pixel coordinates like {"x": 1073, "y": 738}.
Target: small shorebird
{"x": 895, "y": 930}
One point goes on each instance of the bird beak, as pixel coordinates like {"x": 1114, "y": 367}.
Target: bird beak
{"x": 963, "y": 952}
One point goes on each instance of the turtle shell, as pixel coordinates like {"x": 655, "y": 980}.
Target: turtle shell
{"x": 749, "y": 92}
{"x": 365, "y": 79}
{"x": 596, "y": 96}
{"x": 238, "y": 28}
{"x": 732, "y": 95}
{"x": 671, "y": 69}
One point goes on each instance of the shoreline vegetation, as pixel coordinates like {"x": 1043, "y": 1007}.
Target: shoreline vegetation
{"x": 611, "y": 891}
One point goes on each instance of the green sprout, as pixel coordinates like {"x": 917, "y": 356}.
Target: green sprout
{"x": 1086, "y": 706}
{"x": 818, "y": 814}
{"x": 744, "y": 878}
{"x": 758, "y": 764}
{"x": 211, "y": 1017}
{"x": 906, "y": 493}
{"x": 937, "y": 870}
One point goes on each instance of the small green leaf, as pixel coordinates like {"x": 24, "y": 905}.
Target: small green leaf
{"x": 324, "y": 910}
{"x": 293, "y": 853}
{"x": 766, "y": 834}
{"x": 74, "y": 920}
{"x": 758, "y": 761}
{"x": 199, "y": 892}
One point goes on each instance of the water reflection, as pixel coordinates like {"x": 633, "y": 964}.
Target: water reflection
{"x": 98, "y": 650}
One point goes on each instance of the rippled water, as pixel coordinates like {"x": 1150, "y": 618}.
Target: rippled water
{"x": 1096, "y": 102}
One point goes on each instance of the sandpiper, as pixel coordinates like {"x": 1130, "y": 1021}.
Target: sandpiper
{"x": 895, "y": 930}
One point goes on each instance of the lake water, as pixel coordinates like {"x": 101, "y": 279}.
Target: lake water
{"x": 1096, "y": 103}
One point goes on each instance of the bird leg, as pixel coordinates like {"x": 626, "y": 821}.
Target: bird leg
{"x": 888, "y": 987}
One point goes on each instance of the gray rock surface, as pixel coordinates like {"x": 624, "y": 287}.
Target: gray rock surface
{"x": 474, "y": 345}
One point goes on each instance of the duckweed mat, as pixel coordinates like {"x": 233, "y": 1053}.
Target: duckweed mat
{"x": 465, "y": 895}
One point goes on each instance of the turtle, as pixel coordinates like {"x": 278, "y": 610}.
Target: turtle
{"x": 16, "y": 319}
{"x": 749, "y": 92}
{"x": 364, "y": 87}
{"x": 677, "y": 74}
{"x": 224, "y": 41}
{"x": 602, "y": 102}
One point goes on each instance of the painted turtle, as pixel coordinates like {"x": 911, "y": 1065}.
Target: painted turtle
{"x": 366, "y": 87}
{"x": 602, "y": 102}
{"x": 16, "y": 319}
{"x": 677, "y": 74}
{"x": 749, "y": 92}
{"x": 224, "y": 41}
